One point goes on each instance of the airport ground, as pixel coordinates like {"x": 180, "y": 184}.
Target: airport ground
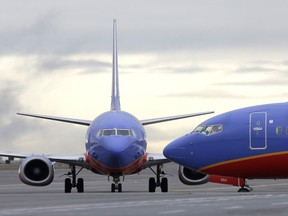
{"x": 269, "y": 197}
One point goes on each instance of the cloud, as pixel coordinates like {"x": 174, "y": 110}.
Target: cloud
{"x": 181, "y": 69}
{"x": 281, "y": 81}
{"x": 208, "y": 94}
{"x": 256, "y": 69}
{"x": 53, "y": 63}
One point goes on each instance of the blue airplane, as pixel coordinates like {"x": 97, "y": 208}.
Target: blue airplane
{"x": 115, "y": 146}
{"x": 248, "y": 143}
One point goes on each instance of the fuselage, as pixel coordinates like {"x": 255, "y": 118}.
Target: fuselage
{"x": 249, "y": 143}
{"x": 116, "y": 144}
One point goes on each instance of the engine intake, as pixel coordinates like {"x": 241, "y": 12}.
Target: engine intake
{"x": 36, "y": 170}
{"x": 191, "y": 177}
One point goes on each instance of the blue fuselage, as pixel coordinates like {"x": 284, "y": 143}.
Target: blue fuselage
{"x": 115, "y": 143}
{"x": 250, "y": 143}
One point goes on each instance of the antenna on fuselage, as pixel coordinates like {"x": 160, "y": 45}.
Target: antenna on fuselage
{"x": 115, "y": 101}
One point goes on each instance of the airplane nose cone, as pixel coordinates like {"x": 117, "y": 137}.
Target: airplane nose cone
{"x": 116, "y": 153}
{"x": 114, "y": 146}
{"x": 177, "y": 151}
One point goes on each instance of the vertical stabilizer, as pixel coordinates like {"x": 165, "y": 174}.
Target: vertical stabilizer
{"x": 115, "y": 102}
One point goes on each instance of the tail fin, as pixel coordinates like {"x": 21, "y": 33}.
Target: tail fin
{"x": 115, "y": 101}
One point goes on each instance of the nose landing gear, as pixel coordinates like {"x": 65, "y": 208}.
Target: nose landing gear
{"x": 116, "y": 186}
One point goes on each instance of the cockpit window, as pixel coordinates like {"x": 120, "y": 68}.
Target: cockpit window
{"x": 109, "y": 132}
{"x": 208, "y": 129}
{"x": 122, "y": 132}
{"x": 116, "y": 132}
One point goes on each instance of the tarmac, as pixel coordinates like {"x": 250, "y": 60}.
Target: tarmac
{"x": 269, "y": 197}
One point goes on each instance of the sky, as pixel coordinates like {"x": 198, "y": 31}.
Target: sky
{"x": 175, "y": 57}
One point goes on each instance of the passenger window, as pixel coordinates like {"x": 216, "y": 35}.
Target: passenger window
{"x": 279, "y": 130}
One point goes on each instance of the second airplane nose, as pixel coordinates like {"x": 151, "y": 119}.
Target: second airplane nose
{"x": 176, "y": 151}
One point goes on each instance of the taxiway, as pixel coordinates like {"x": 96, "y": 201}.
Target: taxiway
{"x": 269, "y": 197}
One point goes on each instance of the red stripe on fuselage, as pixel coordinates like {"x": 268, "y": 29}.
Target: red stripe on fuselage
{"x": 267, "y": 166}
{"x": 132, "y": 168}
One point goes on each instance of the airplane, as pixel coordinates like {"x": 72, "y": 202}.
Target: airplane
{"x": 115, "y": 146}
{"x": 247, "y": 143}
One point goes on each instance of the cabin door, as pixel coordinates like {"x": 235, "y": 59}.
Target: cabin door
{"x": 258, "y": 130}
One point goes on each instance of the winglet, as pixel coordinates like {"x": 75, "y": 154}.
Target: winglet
{"x": 115, "y": 101}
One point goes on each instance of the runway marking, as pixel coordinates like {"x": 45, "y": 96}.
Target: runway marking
{"x": 233, "y": 207}
{"x": 280, "y": 203}
{"x": 171, "y": 212}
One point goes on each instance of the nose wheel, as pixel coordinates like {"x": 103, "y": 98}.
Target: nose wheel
{"x": 158, "y": 182}
{"x": 116, "y": 186}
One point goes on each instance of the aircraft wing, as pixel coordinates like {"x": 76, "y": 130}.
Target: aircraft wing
{"x": 71, "y": 160}
{"x": 62, "y": 119}
{"x": 155, "y": 159}
{"x": 171, "y": 118}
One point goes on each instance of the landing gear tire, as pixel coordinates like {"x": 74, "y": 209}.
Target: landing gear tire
{"x": 113, "y": 188}
{"x": 160, "y": 181}
{"x": 164, "y": 185}
{"x": 119, "y": 187}
{"x": 68, "y": 185}
{"x": 245, "y": 188}
{"x": 71, "y": 182}
{"x": 152, "y": 185}
{"x": 80, "y": 185}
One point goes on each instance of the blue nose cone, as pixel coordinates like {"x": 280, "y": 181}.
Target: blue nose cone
{"x": 116, "y": 152}
{"x": 178, "y": 151}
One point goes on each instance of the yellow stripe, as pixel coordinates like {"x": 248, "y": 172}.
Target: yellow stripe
{"x": 242, "y": 159}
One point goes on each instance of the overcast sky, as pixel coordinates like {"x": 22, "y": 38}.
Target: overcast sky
{"x": 175, "y": 57}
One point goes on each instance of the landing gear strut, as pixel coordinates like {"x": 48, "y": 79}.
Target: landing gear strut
{"x": 163, "y": 184}
{"x": 71, "y": 182}
{"x": 245, "y": 188}
{"x": 116, "y": 185}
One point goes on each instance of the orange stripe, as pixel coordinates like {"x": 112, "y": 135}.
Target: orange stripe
{"x": 134, "y": 167}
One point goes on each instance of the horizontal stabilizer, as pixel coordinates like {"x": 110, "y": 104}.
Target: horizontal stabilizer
{"x": 55, "y": 118}
{"x": 171, "y": 118}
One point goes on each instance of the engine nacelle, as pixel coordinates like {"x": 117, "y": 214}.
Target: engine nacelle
{"x": 36, "y": 170}
{"x": 190, "y": 177}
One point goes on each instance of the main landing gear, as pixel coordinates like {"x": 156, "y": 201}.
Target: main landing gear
{"x": 71, "y": 182}
{"x": 245, "y": 188}
{"x": 162, "y": 183}
{"x": 116, "y": 186}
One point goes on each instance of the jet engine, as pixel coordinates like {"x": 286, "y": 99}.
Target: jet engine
{"x": 190, "y": 177}
{"x": 36, "y": 170}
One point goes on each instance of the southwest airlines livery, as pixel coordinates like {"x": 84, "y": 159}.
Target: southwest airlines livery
{"x": 248, "y": 143}
{"x": 115, "y": 146}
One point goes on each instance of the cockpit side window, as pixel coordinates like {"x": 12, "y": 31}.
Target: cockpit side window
{"x": 208, "y": 129}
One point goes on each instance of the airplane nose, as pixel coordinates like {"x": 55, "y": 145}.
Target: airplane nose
{"x": 114, "y": 146}
{"x": 177, "y": 151}
{"x": 116, "y": 153}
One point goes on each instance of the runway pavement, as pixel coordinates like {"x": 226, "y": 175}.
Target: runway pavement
{"x": 269, "y": 197}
